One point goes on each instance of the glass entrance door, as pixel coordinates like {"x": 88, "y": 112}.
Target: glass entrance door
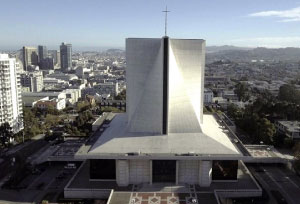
{"x": 164, "y": 171}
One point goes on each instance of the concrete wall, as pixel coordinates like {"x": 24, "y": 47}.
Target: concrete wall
{"x": 139, "y": 171}
{"x": 144, "y": 81}
{"x": 86, "y": 193}
{"x": 188, "y": 171}
{"x": 122, "y": 172}
{"x": 205, "y": 173}
{"x": 144, "y": 77}
{"x": 186, "y": 85}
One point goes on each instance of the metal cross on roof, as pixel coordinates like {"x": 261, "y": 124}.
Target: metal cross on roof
{"x": 166, "y": 19}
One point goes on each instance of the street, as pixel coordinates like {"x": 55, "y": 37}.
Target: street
{"x": 280, "y": 183}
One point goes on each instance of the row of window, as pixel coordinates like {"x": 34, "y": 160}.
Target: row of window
{"x": 163, "y": 170}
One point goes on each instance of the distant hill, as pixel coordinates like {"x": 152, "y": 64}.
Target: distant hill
{"x": 211, "y": 49}
{"x": 280, "y": 54}
{"x": 114, "y": 50}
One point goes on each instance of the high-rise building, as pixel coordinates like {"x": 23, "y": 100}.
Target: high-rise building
{"x": 55, "y": 54}
{"x": 30, "y": 57}
{"x": 58, "y": 64}
{"x": 65, "y": 56}
{"x": 43, "y": 52}
{"x": 47, "y": 63}
{"x": 10, "y": 93}
{"x": 32, "y": 80}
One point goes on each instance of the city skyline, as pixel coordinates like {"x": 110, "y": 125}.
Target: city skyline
{"x": 101, "y": 24}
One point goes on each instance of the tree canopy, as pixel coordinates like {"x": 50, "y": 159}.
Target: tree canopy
{"x": 121, "y": 95}
{"x": 289, "y": 93}
{"x": 242, "y": 91}
{"x": 6, "y": 134}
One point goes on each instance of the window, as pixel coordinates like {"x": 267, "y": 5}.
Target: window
{"x": 104, "y": 169}
{"x": 224, "y": 170}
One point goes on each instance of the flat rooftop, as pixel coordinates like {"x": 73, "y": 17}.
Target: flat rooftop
{"x": 292, "y": 126}
{"x": 116, "y": 141}
{"x": 262, "y": 151}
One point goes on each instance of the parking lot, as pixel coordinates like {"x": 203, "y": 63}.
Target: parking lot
{"x": 44, "y": 181}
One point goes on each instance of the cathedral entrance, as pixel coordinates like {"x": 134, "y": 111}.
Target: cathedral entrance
{"x": 103, "y": 169}
{"x": 164, "y": 171}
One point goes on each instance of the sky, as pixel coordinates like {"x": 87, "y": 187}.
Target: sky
{"x": 93, "y": 24}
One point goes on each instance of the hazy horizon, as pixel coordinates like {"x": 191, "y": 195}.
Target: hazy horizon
{"x": 104, "y": 48}
{"x": 96, "y": 23}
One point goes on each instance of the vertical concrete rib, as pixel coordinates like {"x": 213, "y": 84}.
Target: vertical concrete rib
{"x": 165, "y": 83}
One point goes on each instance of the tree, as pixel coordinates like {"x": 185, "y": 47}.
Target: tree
{"x": 278, "y": 139}
{"x": 6, "y": 134}
{"x": 233, "y": 111}
{"x": 31, "y": 123}
{"x": 265, "y": 130}
{"x": 111, "y": 109}
{"x": 51, "y": 110}
{"x": 121, "y": 95}
{"x": 296, "y": 149}
{"x": 51, "y": 120}
{"x": 242, "y": 91}
{"x": 82, "y": 106}
{"x": 289, "y": 93}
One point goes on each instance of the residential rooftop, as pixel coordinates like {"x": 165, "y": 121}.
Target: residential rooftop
{"x": 292, "y": 126}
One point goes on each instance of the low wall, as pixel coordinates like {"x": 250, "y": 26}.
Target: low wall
{"x": 87, "y": 193}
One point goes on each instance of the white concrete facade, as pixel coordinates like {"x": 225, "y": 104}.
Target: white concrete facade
{"x": 72, "y": 95}
{"x": 122, "y": 172}
{"x": 144, "y": 77}
{"x": 10, "y": 93}
{"x": 144, "y": 74}
{"x": 208, "y": 96}
{"x": 33, "y": 80}
{"x": 205, "y": 173}
{"x": 139, "y": 171}
{"x": 186, "y": 85}
{"x": 165, "y": 91}
{"x": 188, "y": 171}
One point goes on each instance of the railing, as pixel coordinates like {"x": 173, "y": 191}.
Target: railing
{"x": 231, "y": 193}
{"x": 110, "y": 196}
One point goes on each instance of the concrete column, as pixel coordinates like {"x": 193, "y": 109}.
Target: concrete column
{"x": 177, "y": 170}
{"x": 151, "y": 172}
{"x": 122, "y": 172}
{"x": 205, "y": 173}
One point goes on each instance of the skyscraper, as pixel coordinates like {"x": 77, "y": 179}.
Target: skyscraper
{"x": 47, "y": 63}
{"x": 55, "y": 54}
{"x": 30, "y": 57}
{"x": 10, "y": 93}
{"x": 65, "y": 56}
{"x": 43, "y": 53}
{"x": 58, "y": 59}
